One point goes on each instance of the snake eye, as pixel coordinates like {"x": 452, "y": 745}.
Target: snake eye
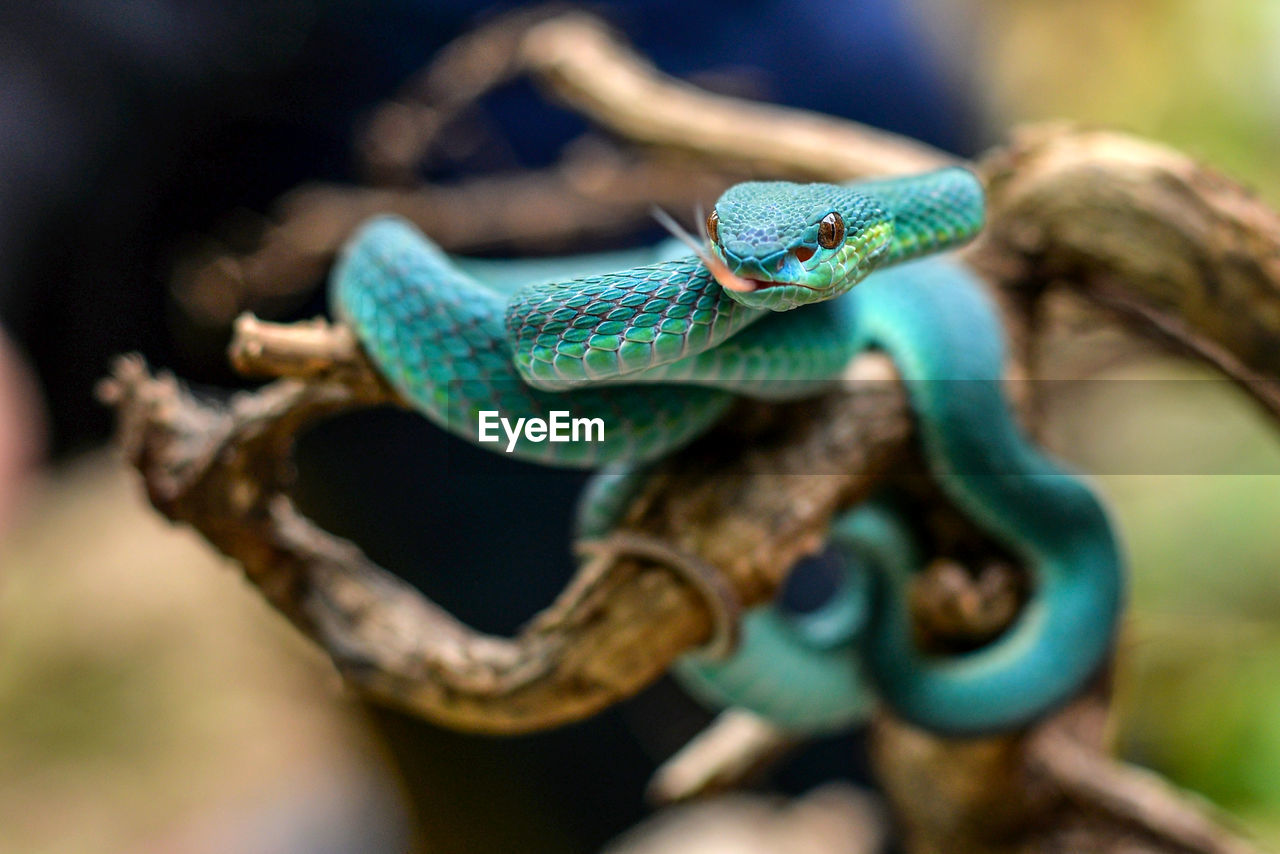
{"x": 831, "y": 231}
{"x": 713, "y": 227}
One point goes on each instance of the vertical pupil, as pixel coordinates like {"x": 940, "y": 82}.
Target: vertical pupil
{"x": 831, "y": 231}
{"x": 713, "y": 227}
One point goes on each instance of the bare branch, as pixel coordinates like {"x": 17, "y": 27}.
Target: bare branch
{"x": 734, "y": 748}
{"x": 832, "y": 819}
{"x": 403, "y": 130}
{"x": 595, "y": 193}
{"x": 1051, "y": 788}
{"x": 298, "y": 350}
{"x": 1139, "y": 800}
{"x": 1184, "y": 254}
{"x": 616, "y": 627}
{"x": 599, "y": 76}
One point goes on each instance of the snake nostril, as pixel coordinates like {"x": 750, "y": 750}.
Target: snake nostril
{"x": 777, "y": 268}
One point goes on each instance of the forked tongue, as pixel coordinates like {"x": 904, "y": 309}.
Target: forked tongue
{"x": 728, "y": 280}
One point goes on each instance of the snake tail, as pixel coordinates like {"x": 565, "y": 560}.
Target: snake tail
{"x": 946, "y": 340}
{"x": 802, "y": 671}
{"x": 933, "y": 318}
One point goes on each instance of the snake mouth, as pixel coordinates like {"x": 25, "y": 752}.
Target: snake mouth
{"x": 731, "y": 281}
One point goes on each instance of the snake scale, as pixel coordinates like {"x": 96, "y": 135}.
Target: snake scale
{"x": 659, "y": 346}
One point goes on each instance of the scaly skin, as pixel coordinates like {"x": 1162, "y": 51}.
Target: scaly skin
{"x": 454, "y": 347}
{"x": 944, "y": 336}
{"x": 658, "y": 350}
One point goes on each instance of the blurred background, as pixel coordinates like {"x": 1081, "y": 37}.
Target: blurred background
{"x": 150, "y": 701}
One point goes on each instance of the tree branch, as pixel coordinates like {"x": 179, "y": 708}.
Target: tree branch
{"x": 616, "y": 627}
{"x": 1182, "y": 253}
{"x": 594, "y": 193}
{"x": 587, "y": 67}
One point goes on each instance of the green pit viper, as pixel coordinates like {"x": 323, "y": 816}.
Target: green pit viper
{"x": 767, "y": 307}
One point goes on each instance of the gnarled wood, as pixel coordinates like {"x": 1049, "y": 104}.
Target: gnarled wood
{"x": 615, "y": 628}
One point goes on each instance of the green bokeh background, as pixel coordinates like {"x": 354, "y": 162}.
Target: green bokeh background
{"x": 1199, "y": 683}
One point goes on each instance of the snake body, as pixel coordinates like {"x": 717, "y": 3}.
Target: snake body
{"x": 945, "y": 339}
{"x": 658, "y": 350}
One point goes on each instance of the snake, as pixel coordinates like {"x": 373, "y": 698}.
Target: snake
{"x": 789, "y": 283}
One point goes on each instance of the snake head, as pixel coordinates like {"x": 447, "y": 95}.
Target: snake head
{"x": 778, "y": 245}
